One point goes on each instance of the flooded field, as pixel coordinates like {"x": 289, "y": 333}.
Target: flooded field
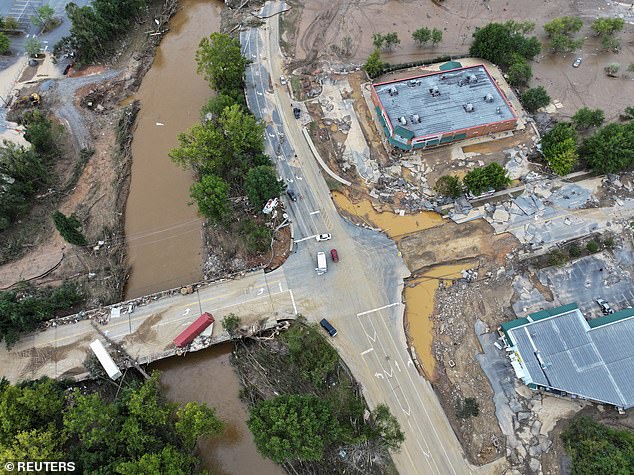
{"x": 164, "y": 233}
{"x": 207, "y": 376}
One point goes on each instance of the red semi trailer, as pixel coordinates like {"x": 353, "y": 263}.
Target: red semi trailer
{"x": 195, "y": 329}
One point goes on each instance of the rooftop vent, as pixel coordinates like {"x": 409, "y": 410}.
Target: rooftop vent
{"x": 402, "y": 120}
{"x": 393, "y": 91}
{"x": 488, "y": 98}
{"x": 473, "y": 79}
{"x": 416, "y": 119}
{"x": 434, "y": 91}
{"x": 468, "y": 107}
{"x": 498, "y": 111}
{"x": 413, "y": 82}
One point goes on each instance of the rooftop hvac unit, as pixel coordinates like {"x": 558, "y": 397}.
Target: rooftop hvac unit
{"x": 468, "y": 107}
{"x": 402, "y": 120}
{"x": 416, "y": 119}
{"x": 488, "y": 98}
{"x": 393, "y": 91}
{"x": 413, "y": 82}
{"x": 473, "y": 79}
{"x": 434, "y": 91}
{"x": 498, "y": 111}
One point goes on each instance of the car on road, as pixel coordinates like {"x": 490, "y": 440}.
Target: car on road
{"x": 291, "y": 194}
{"x": 605, "y": 307}
{"x": 297, "y": 112}
{"x": 577, "y": 63}
{"x": 323, "y": 237}
{"x": 334, "y": 255}
{"x": 283, "y": 80}
{"x": 332, "y": 331}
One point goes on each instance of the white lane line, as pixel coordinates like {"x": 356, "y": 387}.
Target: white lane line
{"x": 306, "y": 238}
{"x": 377, "y": 309}
{"x": 315, "y": 212}
{"x": 280, "y": 284}
{"x": 293, "y": 301}
{"x": 367, "y": 351}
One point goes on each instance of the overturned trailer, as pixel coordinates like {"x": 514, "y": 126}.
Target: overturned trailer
{"x": 192, "y": 331}
{"x": 105, "y": 359}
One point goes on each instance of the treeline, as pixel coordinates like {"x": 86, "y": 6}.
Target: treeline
{"x": 226, "y": 150}
{"x": 95, "y": 27}
{"x": 136, "y": 433}
{"x": 25, "y": 171}
{"x": 23, "y": 310}
{"x": 319, "y": 410}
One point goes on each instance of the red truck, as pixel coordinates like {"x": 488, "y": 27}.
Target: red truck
{"x": 192, "y": 331}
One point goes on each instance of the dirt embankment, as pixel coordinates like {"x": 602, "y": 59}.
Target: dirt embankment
{"x": 92, "y": 179}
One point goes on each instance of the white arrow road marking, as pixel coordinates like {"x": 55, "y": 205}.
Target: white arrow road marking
{"x": 397, "y": 366}
{"x": 261, "y": 291}
{"x": 410, "y": 363}
{"x": 186, "y": 312}
{"x": 379, "y": 375}
{"x": 367, "y": 351}
{"x": 315, "y": 212}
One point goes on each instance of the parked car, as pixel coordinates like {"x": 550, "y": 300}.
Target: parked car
{"x": 605, "y": 307}
{"x": 334, "y": 255}
{"x": 297, "y": 112}
{"x": 328, "y": 327}
{"x": 283, "y": 80}
{"x": 577, "y": 63}
{"x": 291, "y": 194}
{"x": 323, "y": 237}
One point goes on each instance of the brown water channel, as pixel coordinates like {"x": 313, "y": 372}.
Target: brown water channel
{"x": 164, "y": 233}
{"x": 207, "y": 376}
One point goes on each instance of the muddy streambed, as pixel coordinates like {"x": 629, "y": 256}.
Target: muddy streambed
{"x": 163, "y": 232}
{"x": 207, "y": 376}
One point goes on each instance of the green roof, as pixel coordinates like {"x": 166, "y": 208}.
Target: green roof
{"x": 514, "y": 323}
{"x": 403, "y": 132}
{"x": 450, "y": 65}
{"x": 615, "y": 317}
{"x": 551, "y": 312}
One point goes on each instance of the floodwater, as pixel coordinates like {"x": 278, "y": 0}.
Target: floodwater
{"x": 392, "y": 224}
{"x": 163, "y": 233}
{"x": 207, "y": 376}
{"x": 419, "y": 305}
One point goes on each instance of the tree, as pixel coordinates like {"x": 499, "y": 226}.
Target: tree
{"x": 216, "y": 105}
{"x": 607, "y": 26}
{"x": 596, "y": 448}
{"x": 243, "y": 131}
{"x": 33, "y": 46}
{"x": 5, "y": 44}
{"x": 231, "y": 324}
{"x": 195, "y": 421}
{"x": 392, "y": 39}
{"x": 221, "y": 63}
{"x": 44, "y": 16}
{"x": 612, "y": 69}
{"x": 257, "y": 237}
{"x": 204, "y": 148}
{"x": 373, "y": 66}
{"x": 68, "y": 229}
{"x": 534, "y": 98}
{"x": 586, "y": 118}
{"x": 11, "y": 23}
{"x": 261, "y": 184}
{"x": 611, "y": 149}
{"x": 386, "y": 428}
{"x": 520, "y": 72}
{"x": 592, "y": 246}
{"x": 468, "y": 408}
{"x": 211, "y": 194}
{"x": 168, "y": 460}
{"x": 561, "y": 132}
{"x": 482, "y": 179}
{"x": 378, "y": 40}
{"x": 436, "y": 36}
{"x": 628, "y": 113}
{"x": 308, "y": 349}
{"x": 610, "y": 43}
{"x": 630, "y": 68}
{"x": 448, "y": 185}
{"x": 563, "y": 157}
{"x": 422, "y": 36}
{"x": 499, "y": 42}
{"x": 293, "y": 427}
{"x": 564, "y": 44}
{"x": 566, "y": 25}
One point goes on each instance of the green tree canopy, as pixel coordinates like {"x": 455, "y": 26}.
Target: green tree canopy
{"x": 378, "y": 40}
{"x": 534, "y": 98}
{"x": 44, "y": 15}
{"x": 391, "y": 40}
{"x": 195, "y": 421}
{"x": 293, "y": 427}
{"x": 309, "y": 350}
{"x": 211, "y": 194}
{"x": 482, "y": 179}
{"x": 611, "y": 149}
{"x": 448, "y": 185}
{"x": 598, "y": 449}
{"x": 68, "y": 227}
{"x": 216, "y": 106}
{"x": 373, "y": 66}
{"x": 422, "y": 36}
{"x": 5, "y": 44}
{"x": 520, "y": 72}
{"x": 386, "y": 427}
{"x": 607, "y": 26}
{"x": 559, "y": 146}
{"x": 565, "y": 25}
{"x": 33, "y": 46}
{"x": 436, "y": 36}
{"x": 499, "y": 42}
{"x": 261, "y": 184}
{"x": 586, "y": 118}
{"x": 221, "y": 63}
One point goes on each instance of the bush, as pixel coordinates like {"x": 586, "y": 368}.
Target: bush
{"x": 557, "y": 258}
{"x": 257, "y": 237}
{"x": 586, "y": 118}
{"x": 574, "y": 251}
{"x": 592, "y": 246}
{"x": 448, "y": 185}
{"x": 5, "y": 44}
{"x": 534, "y": 98}
{"x": 67, "y": 227}
{"x": 609, "y": 242}
{"x": 468, "y": 408}
{"x": 373, "y": 66}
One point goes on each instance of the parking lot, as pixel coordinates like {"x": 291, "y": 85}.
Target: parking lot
{"x": 605, "y": 275}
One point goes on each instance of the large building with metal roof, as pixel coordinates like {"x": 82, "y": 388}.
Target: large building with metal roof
{"x": 558, "y": 350}
{"x": 435, "y": 109}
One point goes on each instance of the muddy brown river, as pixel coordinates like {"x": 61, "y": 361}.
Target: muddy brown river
{"x": 207, "y": 376}
{"x": 164, "y": 233}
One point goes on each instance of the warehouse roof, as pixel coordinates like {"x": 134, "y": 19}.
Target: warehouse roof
{"x": 565, "y": 353}
{"x": 444, "y": 101}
